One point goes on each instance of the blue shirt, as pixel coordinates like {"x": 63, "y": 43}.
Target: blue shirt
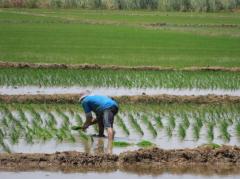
{"x": 97, "y": 103}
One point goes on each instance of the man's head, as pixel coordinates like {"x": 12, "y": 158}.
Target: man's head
{"x": 83, "y": 95}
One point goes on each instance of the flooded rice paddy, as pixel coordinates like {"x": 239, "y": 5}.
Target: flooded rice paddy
{"x": 47, "y": 128}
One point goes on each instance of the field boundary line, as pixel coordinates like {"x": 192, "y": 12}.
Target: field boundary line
{"x": 74, "y": 98}
{"x": 148, "y": 160}
{"x": 111, "y": 67}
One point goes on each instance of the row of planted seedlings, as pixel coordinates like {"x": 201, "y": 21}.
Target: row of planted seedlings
{"x": 120, "y": 78}
{"x": 34, "y": 123}
{"x": 208, "y": 122}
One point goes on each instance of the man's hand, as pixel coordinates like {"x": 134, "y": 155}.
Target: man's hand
{"x": 89, "y": 122}
{"x": 77, "y": 128}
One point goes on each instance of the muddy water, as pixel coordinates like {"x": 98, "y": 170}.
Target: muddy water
{"x": 100, "y": 145}
{"x": 116, "y": 175}
{"x": 114, "y": 91}
{"x": 97, "y": 146}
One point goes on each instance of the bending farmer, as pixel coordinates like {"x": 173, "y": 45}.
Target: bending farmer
{"x": 105, "y": 109}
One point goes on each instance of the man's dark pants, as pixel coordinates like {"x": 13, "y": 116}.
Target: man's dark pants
{"x": 105, "y": 119}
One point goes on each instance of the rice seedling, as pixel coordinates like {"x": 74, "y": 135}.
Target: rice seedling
{"x": 22, "y": 117}
{"x": 224, "y": 131}
{"x": 210, "y": 132}
{"x": 36, "y": 116}
{"x": 5, "y": 121}
{"x": 172, "y": 121}
{"x": 76, "y": 128}
{"x": 238, "y": 129}
{"x": 149, "y": 126}
{"x": 169, "y": 131}
{"x": 1, "y": 134}
{"x": 66, "y": 121}
{"x": 14, "y": 135}
{"x": 71, "y": 112}
{"x": 84, "y": 136}
{"x": 145, "y": 143}
{"x": 196, "y": 132}
{"x": 2, "y": 143}
{"x": 135, "y": 125}
{"x": 211, "y": 145}
{"x": 71, "y": 138}
{"x": 51, "y": 121}
{"x": 121, "y": 144}
{"x": 181, "y": 132}
{"x": 159, "y": 122}
{"x": 185, "y": 121}
{"x": 199, "y": 122}
{"x": 122, "y": 125}
{"x": 29, "y": 135}
{"x": 5, "y": 147}
{"x": 79, "y": 120}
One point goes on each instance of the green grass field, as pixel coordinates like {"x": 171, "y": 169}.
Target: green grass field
{"x": 120, "y": 37}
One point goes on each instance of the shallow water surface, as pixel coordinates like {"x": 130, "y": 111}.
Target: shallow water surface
{"x": 159, "y": 124}
{"x": 114, "y": 91}
{"x": 115, "y": 175}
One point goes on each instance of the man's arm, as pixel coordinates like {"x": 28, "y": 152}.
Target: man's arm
{"x": 89, "y": 121}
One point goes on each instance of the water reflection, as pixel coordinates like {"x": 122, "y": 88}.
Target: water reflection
{"x": 98, "y": 146}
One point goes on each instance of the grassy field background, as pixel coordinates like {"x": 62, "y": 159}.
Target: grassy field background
{"x": 120, "y": 37}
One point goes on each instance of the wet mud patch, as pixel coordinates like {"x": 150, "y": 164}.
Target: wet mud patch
{"x": 74, "y": 98}
{"x": 111, "y": 67}
{"x": 225, "y": 159}
{"x": 57, "y": 160}
{"x": 163, "y": 24}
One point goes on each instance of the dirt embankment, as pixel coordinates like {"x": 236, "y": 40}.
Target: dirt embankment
{"x": 163, "y": 24}
{"x": 204, "y": 160}
{"x": 74, "y": 98}
{"x": 58, "y": 160}
{"x": 111, "y": 67}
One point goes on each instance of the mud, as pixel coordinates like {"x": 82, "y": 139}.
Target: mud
{"x": 74, "y": 98}
{"x": 111, "y": 67}
{"x": 58, "y": 160}
{"x": 225, "y": 159}
{"x": 155, "y": 25}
